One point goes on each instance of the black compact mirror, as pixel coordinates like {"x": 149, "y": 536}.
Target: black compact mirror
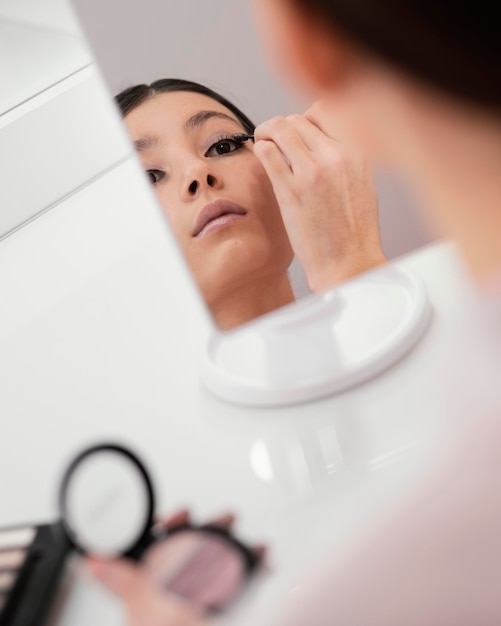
{"x": 107, "y": 502}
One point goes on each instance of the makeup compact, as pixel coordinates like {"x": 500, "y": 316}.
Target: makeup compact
{"x": 107, "y": 508}
{"x": 31, "y": 564}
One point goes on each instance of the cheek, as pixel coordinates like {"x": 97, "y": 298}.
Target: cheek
{"x": 177, "y": 219}
{"x": 266, "y": 206}
{"x": 260, "y": 189}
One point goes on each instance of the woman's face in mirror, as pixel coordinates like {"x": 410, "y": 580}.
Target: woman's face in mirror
{"x": 213, "y": 190}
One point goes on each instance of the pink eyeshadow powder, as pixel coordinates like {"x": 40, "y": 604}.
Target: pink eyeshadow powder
{"x": 205, "y": 569}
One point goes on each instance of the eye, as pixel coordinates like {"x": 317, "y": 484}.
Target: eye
{"x": 225, "y": 145}
{"x": 154, "y": 176}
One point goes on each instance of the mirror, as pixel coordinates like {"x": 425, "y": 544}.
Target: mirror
{"x": 55, "y": 98}
{"x": 243, "y": 267}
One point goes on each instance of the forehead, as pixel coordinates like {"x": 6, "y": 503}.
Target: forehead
{"x": 168, "y": 112}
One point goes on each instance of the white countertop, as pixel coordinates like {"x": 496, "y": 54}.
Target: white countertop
{"x": 101, "y": 332}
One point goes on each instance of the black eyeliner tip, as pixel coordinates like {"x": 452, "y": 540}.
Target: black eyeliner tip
{"x": 244, "y": 137}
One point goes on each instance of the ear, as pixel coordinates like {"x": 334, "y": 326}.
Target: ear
{"x": 308, "y": 54}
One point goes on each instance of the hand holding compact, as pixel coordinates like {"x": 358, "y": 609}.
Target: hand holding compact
{"x": 156, "y": 592}
{"x": 145, "y": 604}
{"x": 327, "y": 197}
{"x": 176, "y": 570}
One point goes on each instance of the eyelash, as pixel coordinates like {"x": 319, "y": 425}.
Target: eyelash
{"x": 155, "y": 176}
{"x": 238, "y": 140}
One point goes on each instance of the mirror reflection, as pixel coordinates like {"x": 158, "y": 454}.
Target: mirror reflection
{"x": 263, "y": 215}
{"x": 196, "y": 149}
{"x": 227, "y": 206}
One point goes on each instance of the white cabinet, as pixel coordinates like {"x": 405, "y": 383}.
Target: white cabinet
{"x": 57, "y": 132}
{"x": 55, "y": 143}
{"x": 34, "y": 58}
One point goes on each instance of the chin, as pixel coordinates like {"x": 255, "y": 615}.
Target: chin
{"x": 235, "y": 260}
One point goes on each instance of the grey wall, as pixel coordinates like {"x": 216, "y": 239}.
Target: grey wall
{"x": 214, "y": 42}
{"x": 210, "y": 41}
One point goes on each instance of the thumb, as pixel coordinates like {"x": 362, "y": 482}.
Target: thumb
{"x": 120, "y": 576}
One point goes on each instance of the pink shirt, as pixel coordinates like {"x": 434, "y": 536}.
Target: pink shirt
{"x": 437, "y": 561}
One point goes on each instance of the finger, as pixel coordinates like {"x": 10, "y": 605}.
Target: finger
{"x": 225, "y": 521}
{"x": 259, "y": 553}
{"x": 312, "y": 135}
{"x": 278, "y": 172}
{"x": 284, "y": 135}
{"x": 337, "y": 121}
{"x": 312, "y": 116}
{"x": 315, "y": 114}
{"x": 280, "y": 175}
{"x": 180, "y": 518}
{"x": 120, "y": 576}
{"x": 145, "y": 604}
{"x": 275, "y": 129}
{"x": 330, "y": 152}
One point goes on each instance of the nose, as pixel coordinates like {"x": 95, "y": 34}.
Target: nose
{"x": 197, "y": 180}
{"x": 195, "y": 184}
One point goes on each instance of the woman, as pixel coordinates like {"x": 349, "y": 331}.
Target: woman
{"x": 417, "y": 84}
{"x": 228, "y": 212}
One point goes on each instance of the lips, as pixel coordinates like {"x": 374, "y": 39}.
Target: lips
{"x": 216, "y": 215}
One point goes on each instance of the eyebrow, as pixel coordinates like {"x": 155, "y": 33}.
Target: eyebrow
{"x": 146, "y": 142}
{"x": 195, "y": 121}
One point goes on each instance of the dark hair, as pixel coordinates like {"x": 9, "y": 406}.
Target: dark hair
{"x": 132, "y": 97}
{"x": 451, "y": 45}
